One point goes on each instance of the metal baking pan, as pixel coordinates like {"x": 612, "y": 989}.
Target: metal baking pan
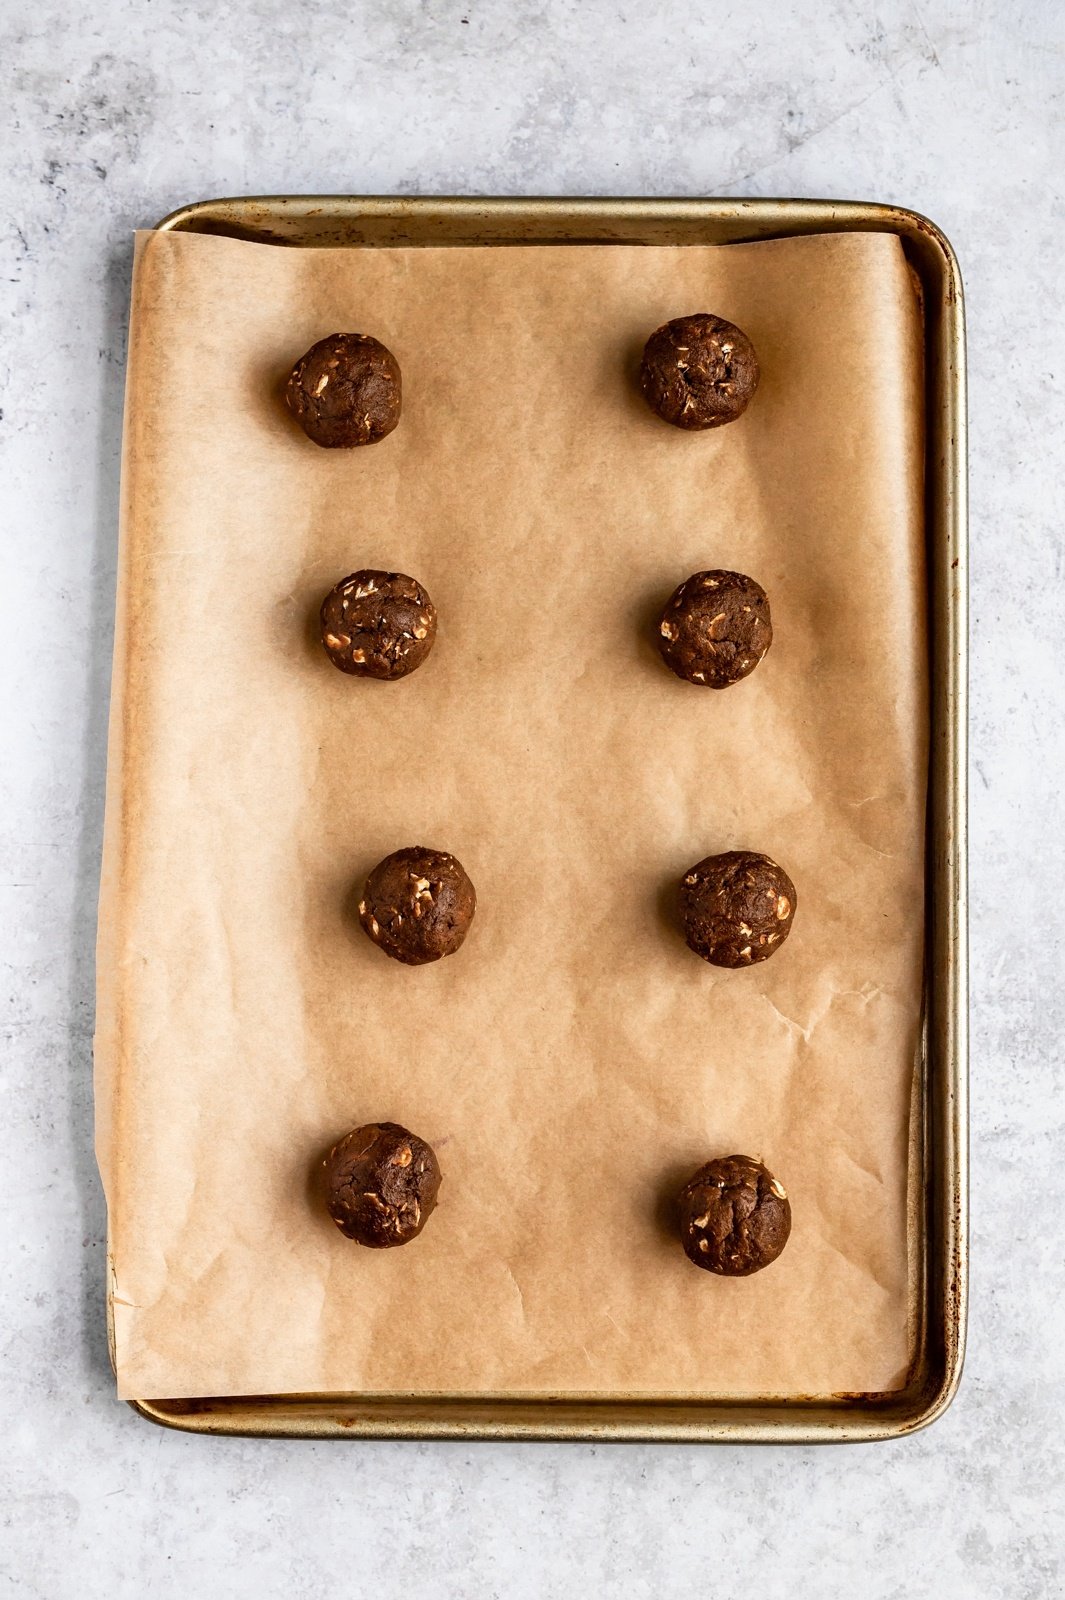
{"x": 940, "y": 1209}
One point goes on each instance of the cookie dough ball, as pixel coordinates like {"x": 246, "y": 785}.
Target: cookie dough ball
{"x": 735, "y": 1217}
{"x": 418, "y": 905}
{"x": 699, "y": 371}
{"x": 715, "y": 628}
{"x": 378, "y": 624}
{"x": 736, "y": 908}
{"x": 381, "y": 1184}
{"x": 345, "y": 391}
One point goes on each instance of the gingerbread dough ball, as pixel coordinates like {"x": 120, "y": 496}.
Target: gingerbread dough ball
{"x": 699, "y": 371}
{"x": 381, "y": 1184}
{"x": 378, "y": 624}
{"x": 736, "y": 908}
{"x": 735, "y": 1217}
{"x": 345, "y": 391}
{"x": 418, "y": 905}
{"x": 715, "y": 628}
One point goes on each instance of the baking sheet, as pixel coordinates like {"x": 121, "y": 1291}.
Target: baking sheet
{"x": 574, "y": 1061}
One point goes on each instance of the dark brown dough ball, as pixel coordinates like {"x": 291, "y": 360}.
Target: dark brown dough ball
{"x": 735, "y": 1217}
{"x": 699, "y": 371}
{"x": 378, "y": 624}
{"x": 715, "y": 628}
{"x": 736, "y": 908}
{"x": 345, "y": 391}
{"x": 381, "y": 1184}
{"x": 418, "y": 905}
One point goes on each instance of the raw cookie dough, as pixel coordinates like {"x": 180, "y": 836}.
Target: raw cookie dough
{"x": 345, "y": 391}
{"x": 699, "y": 371}
{"x": 418, "y": 905}
{"x": 735, "y": 1217}
{"x": 715, "y": 628}
{"x": 378, "y": 624}
{"x": 381, "y": 1184}
{"x": 736, "y": 908}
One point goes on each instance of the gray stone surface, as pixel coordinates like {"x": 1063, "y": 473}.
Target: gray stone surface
{"x": 112, "y": 115}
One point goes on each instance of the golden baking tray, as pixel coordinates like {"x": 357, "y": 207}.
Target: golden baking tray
{"x": 939, "y": 1214}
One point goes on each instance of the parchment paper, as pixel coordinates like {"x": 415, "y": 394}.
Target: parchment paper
{"x": 574, "y": 1062}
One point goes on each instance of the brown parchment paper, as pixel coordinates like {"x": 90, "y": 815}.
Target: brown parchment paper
{"x": 574, "y": 1062}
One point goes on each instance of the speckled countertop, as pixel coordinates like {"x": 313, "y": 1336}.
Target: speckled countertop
{"x": 113, "y": 115}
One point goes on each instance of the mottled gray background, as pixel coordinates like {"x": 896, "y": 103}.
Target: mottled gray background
{"x": 115, "y": 113}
